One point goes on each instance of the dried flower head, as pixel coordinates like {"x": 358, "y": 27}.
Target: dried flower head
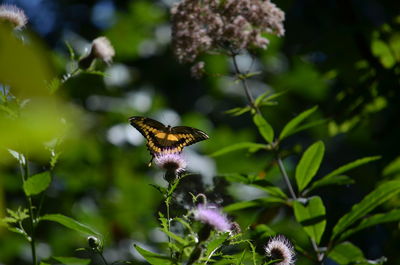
{"x": 171, "y": 162}
{"x": 212, "y": 215}
{"x": 198, "y": 70}
{"x": 279, "y": 247}
{"x": 102, "y": 49}
{"x": 13, "y": 15}
{"x": 209, "y": 25}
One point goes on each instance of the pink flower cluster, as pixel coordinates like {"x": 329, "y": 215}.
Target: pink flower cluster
{"x": 208, "y": 25}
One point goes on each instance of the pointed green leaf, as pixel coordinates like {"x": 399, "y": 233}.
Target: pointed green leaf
{"x": 70, "y": 223}
{"x": 215, "y": 243}
{"x": 392, "y": 168}
{"x": 351, "y": 165}
{"x": 37, "y": 183}
{"x": 264, "y": 128}
{"x": 335, "y": 180}
{"x": 309, "y": 164}
{"x": 311, "y": 217}
{"x": 378, "y": 196}
{"x": 291, "y": 126}
{"x": 72, "y": 261}
{"x": 238, "y": 111}
{"x": 252, "y": 147}
{"x": 153, "y": 258}
{"x": 346, "y": 253}
{"x": 392, "y": 216}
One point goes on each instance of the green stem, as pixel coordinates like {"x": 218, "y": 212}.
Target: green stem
{"x": 25, "y": 176}
{"x": 244, "y": 84}
{"x": 102, "y": 257}
{"x": 286, "y": 177}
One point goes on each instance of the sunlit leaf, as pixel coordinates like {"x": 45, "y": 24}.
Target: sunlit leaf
{"x": 264, "y": 128}
{"x": 309, "y": 164}
{"x": 37, "y": 183}
{"x": 253, "y": 147}
{"x": 153, "y": 258}
{"x": 291, "y": 126}
{"x": 378, "y": 196}
{"x": 311, "y": 216}
{"x": 70, "y": 223}
{"x": 238, "y": 111}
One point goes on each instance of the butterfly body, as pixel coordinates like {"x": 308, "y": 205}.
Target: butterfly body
{"x": 163, "y": 139}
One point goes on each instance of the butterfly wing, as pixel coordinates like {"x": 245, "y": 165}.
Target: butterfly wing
{"x": 187, "y": 135}
{"x": 150, "y": 129}
{"x": 164, "y": 140}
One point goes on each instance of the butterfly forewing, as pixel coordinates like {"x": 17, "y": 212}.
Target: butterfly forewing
{"x": 163, "y": 139}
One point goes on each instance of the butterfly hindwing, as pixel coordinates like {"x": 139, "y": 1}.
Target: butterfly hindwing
{"x": 163, "y": 139}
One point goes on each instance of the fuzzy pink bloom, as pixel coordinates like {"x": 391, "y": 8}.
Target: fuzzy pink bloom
{"x": 279, "y": 247}
{"x": 171, "y": 162}
{"x": 102, "y": 49}
{"x": 212, "y": 215}
{"x": 13, "y": 15}
{"x": 211, "y": 25}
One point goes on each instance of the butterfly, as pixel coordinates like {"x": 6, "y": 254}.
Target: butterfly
{"x": 163, "y": 139}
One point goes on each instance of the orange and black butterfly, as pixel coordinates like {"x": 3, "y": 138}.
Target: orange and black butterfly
{"x": 163, "y": 139}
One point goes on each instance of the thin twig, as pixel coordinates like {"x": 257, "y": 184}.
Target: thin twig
{"x": 25, "y": 176}
{"x": 285, "y": 177}
{"x": 245, "y": 85}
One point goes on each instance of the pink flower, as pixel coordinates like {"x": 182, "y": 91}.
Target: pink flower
{"x": 171, "y": 162}
{"x": 279, "y": 247}
{"x": 13, "y": 15}
{"x": 212, "y": 215}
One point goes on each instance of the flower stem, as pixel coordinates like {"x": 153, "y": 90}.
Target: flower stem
{"x": 102, "y": 257}
{"x": 285, "y": 177}
{"x": 245, "y": 85}
{"x": 25, "y": 176}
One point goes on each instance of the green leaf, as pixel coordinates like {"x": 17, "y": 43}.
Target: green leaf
{"x": 311, "y": 217}
{"x": 214, "y": 244}
{"x": 37, "y": 183}
{"x": 334, "y": 180}
{"x": 267, "y": 97}
{"x": 255, "y": 181}
{"x": 153, "y": 258}
{"x": 392, "y": 216}
{"x": 238, "y": 111}
{"x": 264, "y": 128}
{"x": 351, "y": 165}
{"x": 263, "y": 202}
{"x": 346, "y": 253}
{"x": 291, "y": 126}
{"x": 252, "y": 147}
{"x": 72, "y": 261}
{"x": 378, "y": 196}
{"x": 392, "y": 168}
{"x": 309, "y": 164}
{"x": 70, "y": 223}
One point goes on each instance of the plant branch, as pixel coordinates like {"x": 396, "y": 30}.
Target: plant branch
{"x": 25, "y": 176}
{"x": 286, "y": 177}
{"x": 245, "y": 85}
